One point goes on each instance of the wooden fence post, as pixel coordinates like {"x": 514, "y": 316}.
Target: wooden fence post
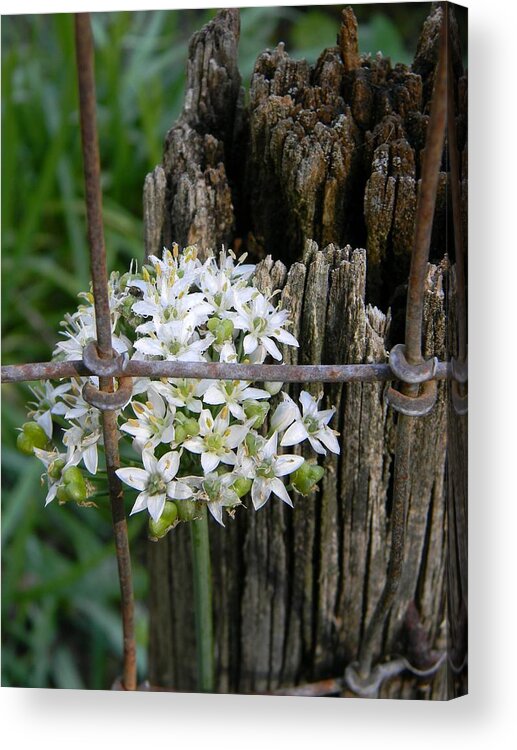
{"x": 319, "y": 161}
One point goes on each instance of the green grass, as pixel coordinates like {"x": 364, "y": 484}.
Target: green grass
{"x": 60, "y": 592}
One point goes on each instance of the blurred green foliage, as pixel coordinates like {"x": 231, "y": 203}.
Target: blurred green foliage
{"x": 60, "y": 589}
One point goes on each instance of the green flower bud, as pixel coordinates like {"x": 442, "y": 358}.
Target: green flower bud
{"x": 158, "y": 529}
{"x": 258, "y": 410}
{"x": 76, "y": 491}
{"x": 36, "y": 435}
{"x": 55, "y": 468}
{"x": 306, "y": 477}
{"x": 192, "y": 427}
{"x": 213, "y": 324}
{"x": 251, "y": 443}
{"x": 180, "y": 433}
{"x": 170, "y": 513}
{"x": 62, "y": 494}
{"x": 241, "y": 486}
{"x": 73, "y": 474}
{"x": 224, "y": 331}
{"x": 187, "y": 510}
{"x": 25, "y": 444}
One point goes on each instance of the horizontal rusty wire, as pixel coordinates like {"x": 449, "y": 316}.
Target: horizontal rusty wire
{"x": 361, "y": 373}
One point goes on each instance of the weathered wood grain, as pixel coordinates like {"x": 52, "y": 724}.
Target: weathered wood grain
{"x": 320, "y": 161}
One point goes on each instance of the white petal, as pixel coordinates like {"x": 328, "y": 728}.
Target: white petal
{"x": 136, "y": 478}
{"x": 51, "y": 493}
{"x": 295, "y": 434}
{"x": 278, "y": 487}
{"x": 230, "y": 459}
{"x": 149, "y": 346}
{"x": 45, "y": 422}
{"x": 194, "y": 445}
{"x": 270, "y": 447}
{"x": 179, "y": 491}
{"x": 90, "y": 458}
{"x": 237, "y": 433}
{"x": 326, "y": 415}
{"x": 260, "y": 492}
{"x": 214, "y": 395}
{"x": 150, "y": 462}
{"x": 317, "y": 446}
{"x": 155, "y": 505}
{"x": 328, "y": 438}
{"x": 206, "y": 422}
{"x": 239, "y": 321}
{"x": 157, "y": 402}
{"x": 167, "y": 435}
{"x": 209, "y": 461}
{"x": 284, "y": 414}
{"x": 286, "y": 338}
{"x": 250, "y": 343}
{"x": 141, "y": 503}
{"x": 256, "y": 393}
{"x": 216, "y": 509}
{"x": 237, "y": 411}
{"x": 168, "y": 465}
{"x": 308, "y": 402}
{"x": 148, "y": 327}
{"x": 287, "y": 464}
{"x": 144, "y": 308}
{"x": 271, "y": 347}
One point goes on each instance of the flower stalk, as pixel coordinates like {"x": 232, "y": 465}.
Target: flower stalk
{"x": 202, "y": 579}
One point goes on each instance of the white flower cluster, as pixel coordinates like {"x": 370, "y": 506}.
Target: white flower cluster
{"x": 196, "y": 441}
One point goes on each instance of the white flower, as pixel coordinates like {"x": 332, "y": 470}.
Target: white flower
{"x": 216, "y": 491}
{"x": 167, "y": 300}
{"x": 312, "y": 426}
{"x": 183, "y": 267}
{"x": 82, "y": 439}
{"x": 216, "y": 439}
{"x": 154, "y": 423}
{"x": 284, "y": 414}
{"x": 216, "y": 284}
{"x": 173, "y": 341}
{"x": 268, "y": 467}
{"x": 233, "y": 393}
{"x": 235, "y": 270}
{"x": 228, "y": 352}
{"x": 183, "y": 392}
{"x": 263, "y": 322}
{"x": 80, "y": 330}
{"x": 155, "y": 482}
{"x": 48, "y": 403}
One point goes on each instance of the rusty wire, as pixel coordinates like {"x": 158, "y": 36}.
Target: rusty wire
{"x": 413, "y": 352}
{"x": 362, "y": 373}
{"x": 406, "y": 362}
{"x": 93, "y": 196}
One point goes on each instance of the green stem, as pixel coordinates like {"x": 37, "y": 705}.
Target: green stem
{"x": 203, "y": 602}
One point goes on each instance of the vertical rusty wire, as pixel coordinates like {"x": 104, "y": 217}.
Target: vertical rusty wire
{"x": 414, "y": 320}
{"x": 85, "y": 71}
{"x": 427, "y": 201}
